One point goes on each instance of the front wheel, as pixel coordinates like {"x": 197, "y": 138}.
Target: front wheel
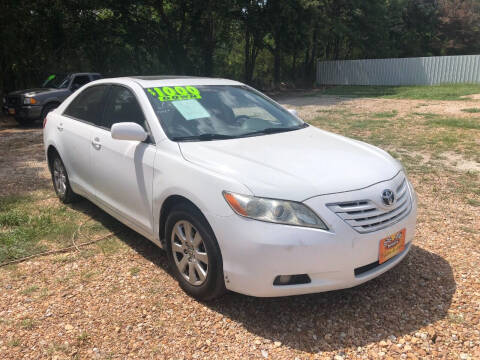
{"x": 194, "y": 253}
{"x": 24, "y": 121}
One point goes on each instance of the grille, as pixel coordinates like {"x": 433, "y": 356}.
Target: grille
{"x": 13, "y": 100}
{"x": 365, "y": 216}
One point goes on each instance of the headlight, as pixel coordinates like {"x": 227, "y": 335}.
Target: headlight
{"x": 29, "y": 101}
{"x": 275, "y": 211}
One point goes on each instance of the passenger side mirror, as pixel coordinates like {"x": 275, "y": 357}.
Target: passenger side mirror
{"x": 128, "y": 131}
{"x": 293, "y": 112}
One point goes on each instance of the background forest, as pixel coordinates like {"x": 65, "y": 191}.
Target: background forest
{"x": 267, "y": 43}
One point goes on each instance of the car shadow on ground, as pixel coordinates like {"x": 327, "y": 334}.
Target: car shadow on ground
{"x": 414, "y": 294}
{"x": 8, "y": 122}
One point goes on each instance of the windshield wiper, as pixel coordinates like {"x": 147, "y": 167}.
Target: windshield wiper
{"x": 208, "y": 137}
{"x": 274, "y": 130}
{"x": 203, "y": 137}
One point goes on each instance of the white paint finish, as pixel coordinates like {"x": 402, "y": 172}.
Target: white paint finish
{"x": 128, "y": 131}
{"x": 123, "y": 176}
{"x": 294, "y": 165}
{"x": 75, "y": 148}
{"x": 131, "y": 180}
{"x": 255, "y": 252}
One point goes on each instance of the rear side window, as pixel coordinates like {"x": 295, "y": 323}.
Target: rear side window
{"x": 88, "y": 105}
{"x": 122, "y": 106}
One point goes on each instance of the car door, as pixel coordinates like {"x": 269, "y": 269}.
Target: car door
{"x": 124, "y": 169}
{"x": 75, "y": 129}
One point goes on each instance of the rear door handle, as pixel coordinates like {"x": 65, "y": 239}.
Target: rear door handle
{"x": 96, "y": 143}
{"x": 60, "y": 127}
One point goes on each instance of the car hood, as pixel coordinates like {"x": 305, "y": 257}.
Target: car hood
{"x": 295, "y": 165}
{"x": 33, "y": 92}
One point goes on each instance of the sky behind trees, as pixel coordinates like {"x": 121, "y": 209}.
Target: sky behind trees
{"x": 265, "y": 43}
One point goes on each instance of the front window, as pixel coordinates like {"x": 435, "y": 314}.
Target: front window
{"x": 198, "y": 113}
{"x": 56, "y": 81}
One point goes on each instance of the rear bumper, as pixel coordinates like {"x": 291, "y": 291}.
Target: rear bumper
{"x": 28, "y": 112}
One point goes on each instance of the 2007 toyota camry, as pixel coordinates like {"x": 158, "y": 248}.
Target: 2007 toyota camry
{"x": 240, "y": 192}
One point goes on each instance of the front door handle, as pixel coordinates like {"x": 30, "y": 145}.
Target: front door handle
{"x": 60, "y": 127}
{"x": 96, "y": 143}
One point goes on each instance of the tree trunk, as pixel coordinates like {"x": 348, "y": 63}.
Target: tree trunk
{"x": 209, "y": 47}
{"x": 277, "y": 54}
{"x": 247, "y": 75}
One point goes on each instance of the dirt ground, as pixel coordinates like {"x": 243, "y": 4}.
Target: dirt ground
{"x": 118, "y": 300}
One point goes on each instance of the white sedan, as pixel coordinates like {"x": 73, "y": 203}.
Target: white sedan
{"x": 240, "y": 192}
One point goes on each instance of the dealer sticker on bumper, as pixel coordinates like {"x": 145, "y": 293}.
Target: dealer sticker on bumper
{"x": 391, "y": 246}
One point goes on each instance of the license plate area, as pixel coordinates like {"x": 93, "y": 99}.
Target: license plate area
{"x": 391, "y": 245}
{"x": 11, "y": 111}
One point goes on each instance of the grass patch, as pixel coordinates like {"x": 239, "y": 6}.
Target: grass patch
{"x": 30, "y": 290}
{"x": 417, "y": 143}
{"x": 468, "y": 230}
{"x": 456, "y": 319}
{"x": 427, "y": 115}
{"x": 86, "y": 276}
{"x": 435, "y": 92}
{"x": 385, "y": 114}
{"x": 455, "y": 123}
{"x": 110, "y": 246}
{"x": 134, "y": 271}
{"x": 83, "y": 338}
{"x": 471, "y": 110}
{"x": 473, "y": 202}
{"x": 15, "y": 342}
{"x": 27, "y": 324}
{"x": 29, "y": 225}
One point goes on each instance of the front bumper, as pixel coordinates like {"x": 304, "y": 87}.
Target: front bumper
{"x": 28, "y": 112}
{"x": 255, "y": 253}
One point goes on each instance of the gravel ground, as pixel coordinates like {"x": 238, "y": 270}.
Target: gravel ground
{"x": 117, "y": 299}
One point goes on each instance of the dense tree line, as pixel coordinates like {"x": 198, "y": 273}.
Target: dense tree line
{"x": 262, "y": 42}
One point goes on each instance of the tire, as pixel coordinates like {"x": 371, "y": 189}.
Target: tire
{"x": 61, "y": 184}
{"x": 46, "y": 109}
{"x": 24, "y": 121}
{"x": 202, "y": 253}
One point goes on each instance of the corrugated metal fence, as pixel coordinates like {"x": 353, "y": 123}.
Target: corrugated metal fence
{"x": 407, "y": 71}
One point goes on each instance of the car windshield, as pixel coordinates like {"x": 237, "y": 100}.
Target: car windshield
{"x": 214, "y": 112}
{"x": 57, "y": 81}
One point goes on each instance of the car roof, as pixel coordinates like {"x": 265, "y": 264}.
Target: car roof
{"x": 84, "y": 73}
{"x": 172, "y": 80}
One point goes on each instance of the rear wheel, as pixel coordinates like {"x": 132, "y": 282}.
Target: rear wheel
{"x": 194, "y": 253}
{"x": 60, "y": 180}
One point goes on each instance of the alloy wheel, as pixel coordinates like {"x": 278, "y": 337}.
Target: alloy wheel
{"x": 59, "y": 177}
{"x": 189, "y": 252}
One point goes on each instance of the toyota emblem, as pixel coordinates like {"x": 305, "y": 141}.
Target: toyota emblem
{"x": 388, "y": 197}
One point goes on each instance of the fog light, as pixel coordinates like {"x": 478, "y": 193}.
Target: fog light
{"x": 292, "y": 279}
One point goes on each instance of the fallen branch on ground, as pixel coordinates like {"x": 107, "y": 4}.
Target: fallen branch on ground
{"x": 75, "y": 246}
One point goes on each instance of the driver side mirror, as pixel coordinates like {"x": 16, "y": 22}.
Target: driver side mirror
{"x": 293, "y": 112}
{"x": 128, "y": 131}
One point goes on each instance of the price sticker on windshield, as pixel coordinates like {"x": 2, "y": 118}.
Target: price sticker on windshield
{"x": 172, "y": 93}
